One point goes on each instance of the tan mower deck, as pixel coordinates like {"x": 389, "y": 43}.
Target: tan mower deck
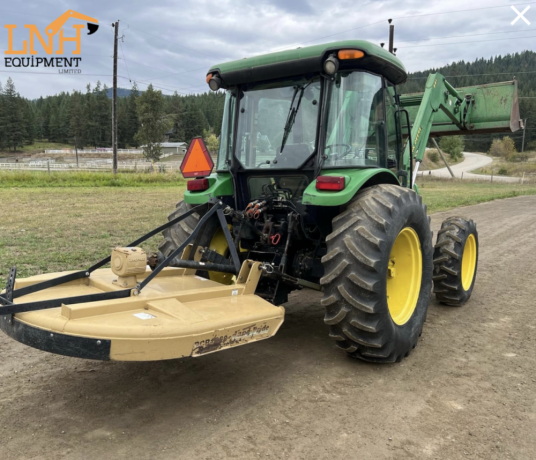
{"x": 178, "y": 314}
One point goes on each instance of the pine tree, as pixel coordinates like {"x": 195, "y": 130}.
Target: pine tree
{"x": 153, "y": 123}
{"x": 102, "y": 115}
{"x": 13, "y": 117}
{"x": 175, "y": 110}
{"x": 63, "y": 120}
{"x": 2, "y": 119}
{"x": 194, "y": 122}
{"x": 132, "y": 122}
{"x": 29, "y": 122}
{"x": 91, "y": 128}
{"x": 77, "y": 126}
{"x": 53, "y": 124}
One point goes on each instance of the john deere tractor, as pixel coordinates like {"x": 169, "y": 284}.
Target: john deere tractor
{"x": 314, "y": 187}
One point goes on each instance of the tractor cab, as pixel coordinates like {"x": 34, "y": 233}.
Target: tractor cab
{"x": 295, "y": 113}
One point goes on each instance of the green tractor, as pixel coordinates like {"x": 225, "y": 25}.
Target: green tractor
{"x": 314, "y": 188}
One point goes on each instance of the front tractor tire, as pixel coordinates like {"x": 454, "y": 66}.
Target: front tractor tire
{"x": 455, "y": 261}
{"x": 378, "y": 274}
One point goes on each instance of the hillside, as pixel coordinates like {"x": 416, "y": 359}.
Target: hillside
{"x": 121, "y": 92}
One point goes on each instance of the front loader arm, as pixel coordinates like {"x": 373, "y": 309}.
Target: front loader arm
{"x": 444, "y": 110}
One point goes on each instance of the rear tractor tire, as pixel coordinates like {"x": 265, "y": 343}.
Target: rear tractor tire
{"x": 378, "y": 274}
{"x": 176, "y": 235}
{"x": 455, "y": 261}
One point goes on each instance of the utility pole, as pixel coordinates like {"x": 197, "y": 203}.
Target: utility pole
{"x": 524, "y": 129}
{"x": 114, "y": 101}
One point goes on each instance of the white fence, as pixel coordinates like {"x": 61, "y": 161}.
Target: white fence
{"x": 84, "y": 151}
{"x": 90, "y": 166}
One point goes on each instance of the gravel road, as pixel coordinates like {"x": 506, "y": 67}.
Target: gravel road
{"x": 471, "y": 162}
{"x": 467, "y": 391}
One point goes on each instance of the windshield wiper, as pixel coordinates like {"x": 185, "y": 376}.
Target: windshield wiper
{"x": 291, "y": 117}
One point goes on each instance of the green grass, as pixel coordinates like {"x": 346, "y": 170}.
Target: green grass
{"x": 56, "y": 229}
{"x": 511, "y": 168}
{"x": 63, "y": 227}
{"x": 38, "y": 146}
{"x": 32, "y": 179}
{"x": 441, "y": 195}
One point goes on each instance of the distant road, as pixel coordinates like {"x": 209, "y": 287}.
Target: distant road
{"x": 471, "y": 162}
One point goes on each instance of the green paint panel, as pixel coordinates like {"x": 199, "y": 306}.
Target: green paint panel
{"x": 354, "y": 180}
{"x": 309, "y": 59}
{"x": 221, "y": 184}
{"x": 443, "y": 110}
{"x": 495, "y": 109}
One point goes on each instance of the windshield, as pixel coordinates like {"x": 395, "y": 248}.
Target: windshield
{"x": 277, "y": 124}
{"x": 355, "y": 132}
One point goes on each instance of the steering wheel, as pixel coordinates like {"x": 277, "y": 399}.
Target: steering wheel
{"x": 339, "y": 156}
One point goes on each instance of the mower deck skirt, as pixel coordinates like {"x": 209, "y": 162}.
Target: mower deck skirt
{"x": 178, "y": 314}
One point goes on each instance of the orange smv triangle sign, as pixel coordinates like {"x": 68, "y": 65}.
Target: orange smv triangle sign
{"x": 197, "y": 161}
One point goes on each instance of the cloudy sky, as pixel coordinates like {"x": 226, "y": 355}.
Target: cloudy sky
{"x": 173, "y": 43}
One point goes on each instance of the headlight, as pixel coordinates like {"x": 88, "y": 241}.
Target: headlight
{"x": 331, "y": 65}
{"x": 215, "y": 83}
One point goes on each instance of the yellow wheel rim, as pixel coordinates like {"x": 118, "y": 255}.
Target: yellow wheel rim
{"x": 219, "y": 244}
{"x": 469, "y": 262}
{"x": 404, "y": 275}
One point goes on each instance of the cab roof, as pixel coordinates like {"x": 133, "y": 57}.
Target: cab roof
{"x": 309, "y": 60}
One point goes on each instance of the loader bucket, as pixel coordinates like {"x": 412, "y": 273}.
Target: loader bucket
{"x": 495, "y": 110}
{"x": 179, "y": 314}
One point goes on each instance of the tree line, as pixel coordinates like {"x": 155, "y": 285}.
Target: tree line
{"x": 83, "y": 119}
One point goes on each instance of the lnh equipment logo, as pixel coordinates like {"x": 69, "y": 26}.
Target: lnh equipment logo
{"x": 53, "y": 29}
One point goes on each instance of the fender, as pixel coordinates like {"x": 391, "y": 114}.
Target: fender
{"x": 220, "y": 184}
{"x": 355, "y": 179}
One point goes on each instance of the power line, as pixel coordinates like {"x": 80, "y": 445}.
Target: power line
{"x": 461, "y": 36}
{"x": 154, "y": 86}
{"x": 179, "y": 73}
{"x": 152, "y": 67}
{"x": 479, "y": 74}
{"x": 460, "y": 43}
{"x": 167, "y": 40}
{"x": 462, "y": 11}
{"x": 123, "y": 53}
{"x": 414, "y": 16}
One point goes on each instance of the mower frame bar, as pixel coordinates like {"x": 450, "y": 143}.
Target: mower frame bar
{"x": 9, "y": 308}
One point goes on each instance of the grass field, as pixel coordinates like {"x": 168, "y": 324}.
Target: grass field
{"x": 56, "y": 228}
{"x": 511, "y": 168}
{"x": 33, "y": 179}
{"x": 37, "y": 146}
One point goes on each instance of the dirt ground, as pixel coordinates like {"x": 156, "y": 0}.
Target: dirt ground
{"x": 467, "y": 391}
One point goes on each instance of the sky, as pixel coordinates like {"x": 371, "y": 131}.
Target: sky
{"x": 172, "y": 44}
